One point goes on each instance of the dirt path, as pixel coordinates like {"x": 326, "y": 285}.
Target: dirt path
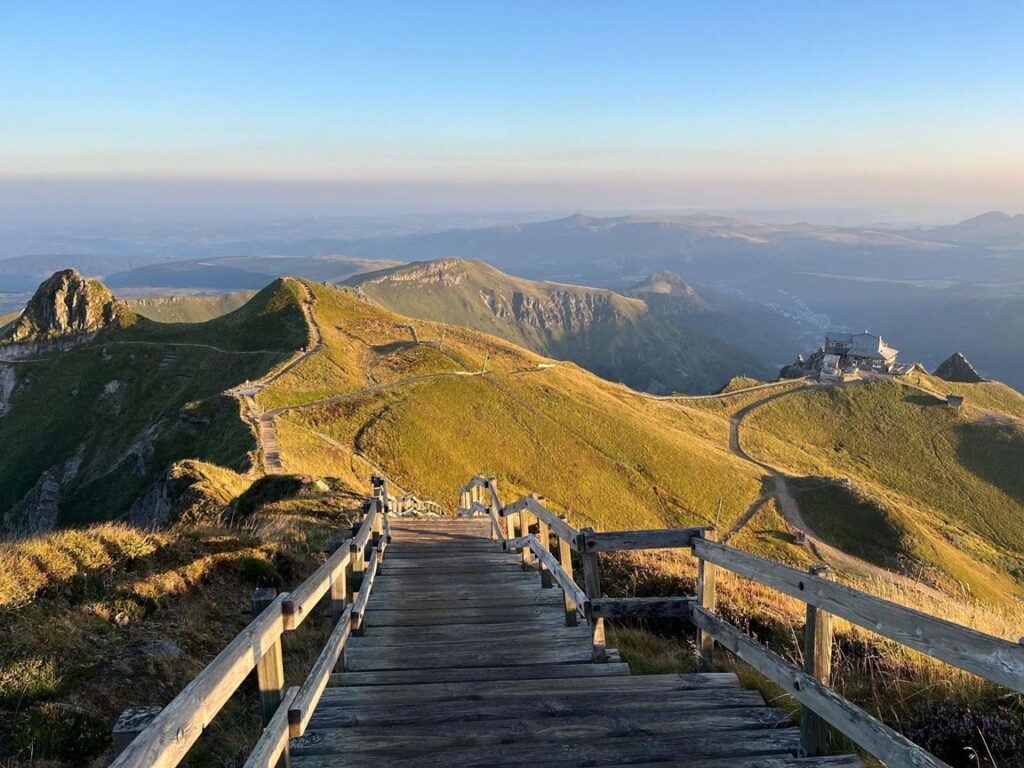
{"x": 778, "y": 485}
{"x": 723, "y": 395}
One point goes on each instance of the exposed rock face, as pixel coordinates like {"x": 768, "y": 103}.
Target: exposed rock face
{"x": 153, "y": 508}
{"x": 446, "y": 272}
{"x": 958, "y": 368}
{"x": 36, "y": 512}
{"x": 8, "y": 381}
{"x": 67, "y": 304}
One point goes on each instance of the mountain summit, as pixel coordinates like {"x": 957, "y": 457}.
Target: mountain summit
{"x": 958, "y": 368}
{"x": 67, "y": 304}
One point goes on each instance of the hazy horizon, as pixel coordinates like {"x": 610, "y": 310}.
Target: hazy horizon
{"x": 906, "y": 113}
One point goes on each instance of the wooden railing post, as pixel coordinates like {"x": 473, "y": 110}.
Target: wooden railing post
{"x": 490, "y": 492}
{"x": 817, "y": 662}
{"x": 357, "y": 563}
{"x": 524, "y": 530}
{"x": 706, "y": 596}
{"x": 270, "y": 667}
{"x": 339, "y": 588}
{"x": 544, "y": 537}
{"x": 565, "y": 557}
{"x": 592, "y": 586}
{"x": 510, "y": 526}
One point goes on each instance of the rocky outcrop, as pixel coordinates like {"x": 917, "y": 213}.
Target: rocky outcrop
{"x": 64, "y": 305}
{"x": 446, "y": 272}
{"x": 36, "y": 512}
{"x": 958, "y": 368}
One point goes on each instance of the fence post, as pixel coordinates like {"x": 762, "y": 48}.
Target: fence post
{"x": 592, "y": 586}
{"x": 706, "y": 598}
{"x": 270, "y": 667}
{"x": 565, "y": 556}
{"x": 357, "y": 562}
{"x": 817, "y": 662}
{"x": 489, "y": 494}
{"x": 544, "y": 537}
{"x": 524, "y": 530}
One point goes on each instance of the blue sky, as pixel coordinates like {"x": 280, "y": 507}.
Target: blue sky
{"x": 614, "y": 104}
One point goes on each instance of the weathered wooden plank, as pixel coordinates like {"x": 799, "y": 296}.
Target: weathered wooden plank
{"x": 617, "y": 541}
{"x": 642, "y": 607}
{"x": 495, "y": 614}
{"x": 399, "y": 602}
{"x": 272, "y": 745}
{"x": 467, "y": 643}
{"x": 533, "y": 505}
{"x": 599, "y": 751}
{"x": 875, "y": 737}
{"x": 303, "y": 599}
{"x": 365, "y": 589}
{"x": 579, "y": 597}
{"x": 993, "y": 658}
{"x": 607, "y": 687}
{"x": 168, "y": 738}
{"x": 270, "y": 667}
{"x": 537, "y": 671}
{"x": 477, "y": 632}
{"x": 589, "y": 726}
{"x": 308, "y": 695}
{"x": 364, "y": 660}
{"x": 366, "y": 528}
{"x": 544, "y": 704}
{"x": 814, "y": 733}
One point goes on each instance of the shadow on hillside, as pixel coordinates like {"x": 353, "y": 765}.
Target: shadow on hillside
{"x": 994, "y": 453}
{"x": 924, "y": 400}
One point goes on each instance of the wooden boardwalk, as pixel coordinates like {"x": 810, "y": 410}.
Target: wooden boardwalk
{"x": 465, "y": 660}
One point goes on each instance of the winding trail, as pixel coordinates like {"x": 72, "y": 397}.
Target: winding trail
{"x": 777, "y": 487}
{"x": 733, "y": 393}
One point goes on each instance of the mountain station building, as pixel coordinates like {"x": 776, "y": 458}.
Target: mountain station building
{"x": 863, "y": 351}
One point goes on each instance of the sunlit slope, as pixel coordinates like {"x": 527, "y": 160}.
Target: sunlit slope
{"x": 617, "y": 337}
{"x": 944, "y": 486}
{"x": 594, "y": 449}
{"x": 104, "y": 421}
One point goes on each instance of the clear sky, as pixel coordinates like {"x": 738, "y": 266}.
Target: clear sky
{"x": 912, "y": 108}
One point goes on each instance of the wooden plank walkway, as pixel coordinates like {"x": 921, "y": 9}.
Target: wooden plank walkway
{"x": 466, "y": 661}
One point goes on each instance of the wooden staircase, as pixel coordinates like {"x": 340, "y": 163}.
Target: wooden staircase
{"x": 466, "y": 660}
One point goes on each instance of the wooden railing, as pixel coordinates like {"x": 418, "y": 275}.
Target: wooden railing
{"x": 346, "y": 578}
{"x": 529, "y": 526}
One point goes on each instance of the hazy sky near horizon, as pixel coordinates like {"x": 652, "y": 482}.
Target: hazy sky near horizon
{"x": 913, "y": 108}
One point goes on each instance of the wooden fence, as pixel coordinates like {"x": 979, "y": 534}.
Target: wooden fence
{"x": 345, "y": 578}
{"x": 528, "y": 526}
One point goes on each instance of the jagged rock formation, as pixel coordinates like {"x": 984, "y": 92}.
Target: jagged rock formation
{"x": 66, "y": 304}
{"x": 958, "y": 368}
{"x": 36, "y": 512}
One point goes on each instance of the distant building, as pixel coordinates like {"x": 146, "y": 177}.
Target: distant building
{"x": 956, "y": 402}
{"x": 861, "y": 350}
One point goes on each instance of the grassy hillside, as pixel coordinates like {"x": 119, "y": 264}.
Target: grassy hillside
{"x": 592, "y": 447}
{"x": 617, "y": 337}
{"x": 946, "y": 486}
{"x": 187, "y": 309}
{"x": 105, "y": 420}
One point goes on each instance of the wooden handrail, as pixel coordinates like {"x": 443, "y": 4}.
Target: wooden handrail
{"x": 300, "y": 602}
{"x": 895, "y": 750}
{"x": 359, "y": 609}
{"x": 532, "y": 505}
{"x": 565, "y": 580}
{"x": 165, "y": 741}
{"x": 993, "y": 658}
{"x": 274, "y": 741}
{"x": 305, "y": 701}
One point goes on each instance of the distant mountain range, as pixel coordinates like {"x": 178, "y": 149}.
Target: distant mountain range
{"x": 659, "y": 336}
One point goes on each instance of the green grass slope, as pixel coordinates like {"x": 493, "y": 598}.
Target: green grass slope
{"x": 107, "y": 419}
{"x": 595, "y": 449}
{"x": 185, "y": 308}
{"x": 936, "y": 487}
{"x": 615, "y": 336}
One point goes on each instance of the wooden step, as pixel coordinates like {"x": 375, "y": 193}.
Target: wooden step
{"x": 570, "y": 750}
{"x": 473, "y": 674}
{"x": 520, "y": 689}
